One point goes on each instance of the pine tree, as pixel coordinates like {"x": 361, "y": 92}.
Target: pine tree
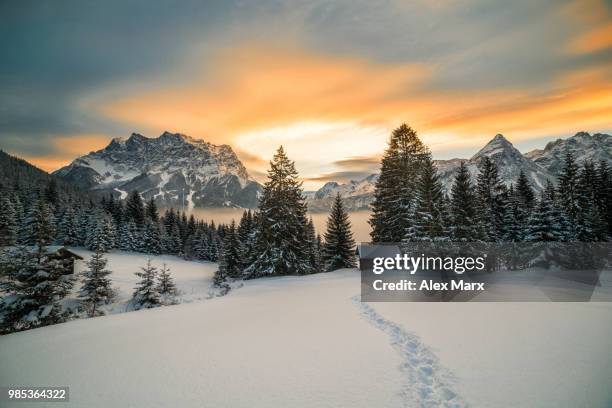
{"x": 394, "y": 195}
{"x": 96, "y": 290}
{"x": 246, "y": 230}
{"x": 151, "y": 211}
{"x": 166, "y": 287}
{"x": 524, "y": 191}
{"x": 339, "y": 246}
{"x": 548, "y": 222}
{"x": 589, "y": 222}
{"x": 134, "y": 208}
{"x": 68, "y": 228}
{"x": 491, "y": 194}
{"x": 568, "y": 187}
{"x": 151, "y": 238}
{"x": 146, "y": 294}
{"x": 8, "y": 222}
{"x": 311, "y": 243}
{"x": 463, "y": 208}
{"x": 515, "y": 218}
{"x": 103, "y": 236}
{"x": 34, "y": 284}
{"x": 38, "y": 228}
{"x": 281, "y": 223}
{"x": 428, "y": 216}
{"x": 230, "y": 265}
{"x": 604, "y": 193}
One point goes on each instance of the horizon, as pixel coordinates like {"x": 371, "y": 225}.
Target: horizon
{"x": 336, "y": 76}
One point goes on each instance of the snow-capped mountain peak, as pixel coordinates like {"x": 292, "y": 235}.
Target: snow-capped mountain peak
{"x": 174, "y": 168}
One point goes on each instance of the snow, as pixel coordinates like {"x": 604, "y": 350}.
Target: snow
{"x": 193, "y": 279}
{"x": 309, "y": 342}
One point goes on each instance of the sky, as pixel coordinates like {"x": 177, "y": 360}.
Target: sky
{"x": 328, "y": 80}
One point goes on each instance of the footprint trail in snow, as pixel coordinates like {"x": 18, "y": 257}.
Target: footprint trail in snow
{"x": 426, "y": 382}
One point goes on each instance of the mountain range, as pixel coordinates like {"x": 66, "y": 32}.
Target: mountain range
{"x": 539, "y": 165}
{"x": 175, "y": 169}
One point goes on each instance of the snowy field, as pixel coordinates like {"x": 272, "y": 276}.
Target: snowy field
{"x": 309, "y": 342}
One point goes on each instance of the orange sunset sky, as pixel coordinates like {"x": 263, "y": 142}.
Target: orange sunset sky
{"x": 328, "y": 80}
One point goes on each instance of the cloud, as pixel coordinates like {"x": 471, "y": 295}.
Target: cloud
{"x": 340, "y": 176}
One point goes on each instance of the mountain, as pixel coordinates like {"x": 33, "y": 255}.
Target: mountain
{"x": 356, "y": 194}
{"x": 508, "y": 159}
{"x": 582, "y": 145}
{"x": 538, "y": 165}
{"x": 175, "y": 169}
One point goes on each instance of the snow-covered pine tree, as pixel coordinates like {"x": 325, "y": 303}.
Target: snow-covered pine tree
{"x": 463, "y": 208}
{"x": 172, "y": 240}
{"x": 548, "y": 221}
{"x": 339, "y": 246}
{"x": 568, "y": 187}
{"x": 246, "y": 230}
{"x": 134, "y": 208}
{"x": 8, "y": 222}
{"x": 230, "y": 263}
{"x": 201, "y": 244}
{"x": 394, "y": 194}
{"x": 145, "y": 294}
{"x": 67, "y": 227}
{"x": 604, "y": 193}
{"x": 128, "y": 236}
{"x": 589, "y": 222}
{"x": 524, "y": 191}
{"x": 312, "y": 251}
{"x": 515, "y": 218}
{"x": 166, "y": 287}
{"x": 490, "y": 200}
{"x": 428, "y": 224}
{"x": 151, "y": 243}
{"x": 96, "y": 290}
{"x": 33, "y": 287}
{"x": 151, "y": 210}
{"x": 103, "y": 236}
{"x": 39, "y": 225}
{"x": 281, "y": 223}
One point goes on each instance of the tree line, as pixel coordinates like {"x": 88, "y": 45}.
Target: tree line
{"x": 410, "y": 203}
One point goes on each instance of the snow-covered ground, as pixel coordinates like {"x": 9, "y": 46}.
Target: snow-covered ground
{"x": 193, "y": 279}
{"x": 309, "y": 342}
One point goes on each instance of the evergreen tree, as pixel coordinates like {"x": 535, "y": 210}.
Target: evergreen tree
{"x": 281, "y": 223}
{"x": 134, "y": 209}
{"x": 463, "y": 208}
{"x": 548, "y": 222}
{"x": 34, "y": 284}
{"x": 230, "y": 263}
{"x": 166, "y": 287}
{"x": 490, "y": 200}
{"x": 151, "y": 238}
{"x": 524, "y": 191}
{"x": 38, "y": 228}
{"x": 312, "y": 250}
{"x": 604, "y": 194}
{"x": 146, "y": 294}
{"x": 589, "y": 222}
{"x": 515, "y": 218}
{"x": 394, "y": 195}
{"x": 96, "y": 290}
{"x": 428, "y": 217}
{"x": 151, "y": 210}
{"x": 8, "y": 222}
{"x": 68, "y": 228}
{"x": 339, "y": 247}
{"x": 103, "y": 236}
{"x": 246, "y": 231}
{"x": 568, "y": 188}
